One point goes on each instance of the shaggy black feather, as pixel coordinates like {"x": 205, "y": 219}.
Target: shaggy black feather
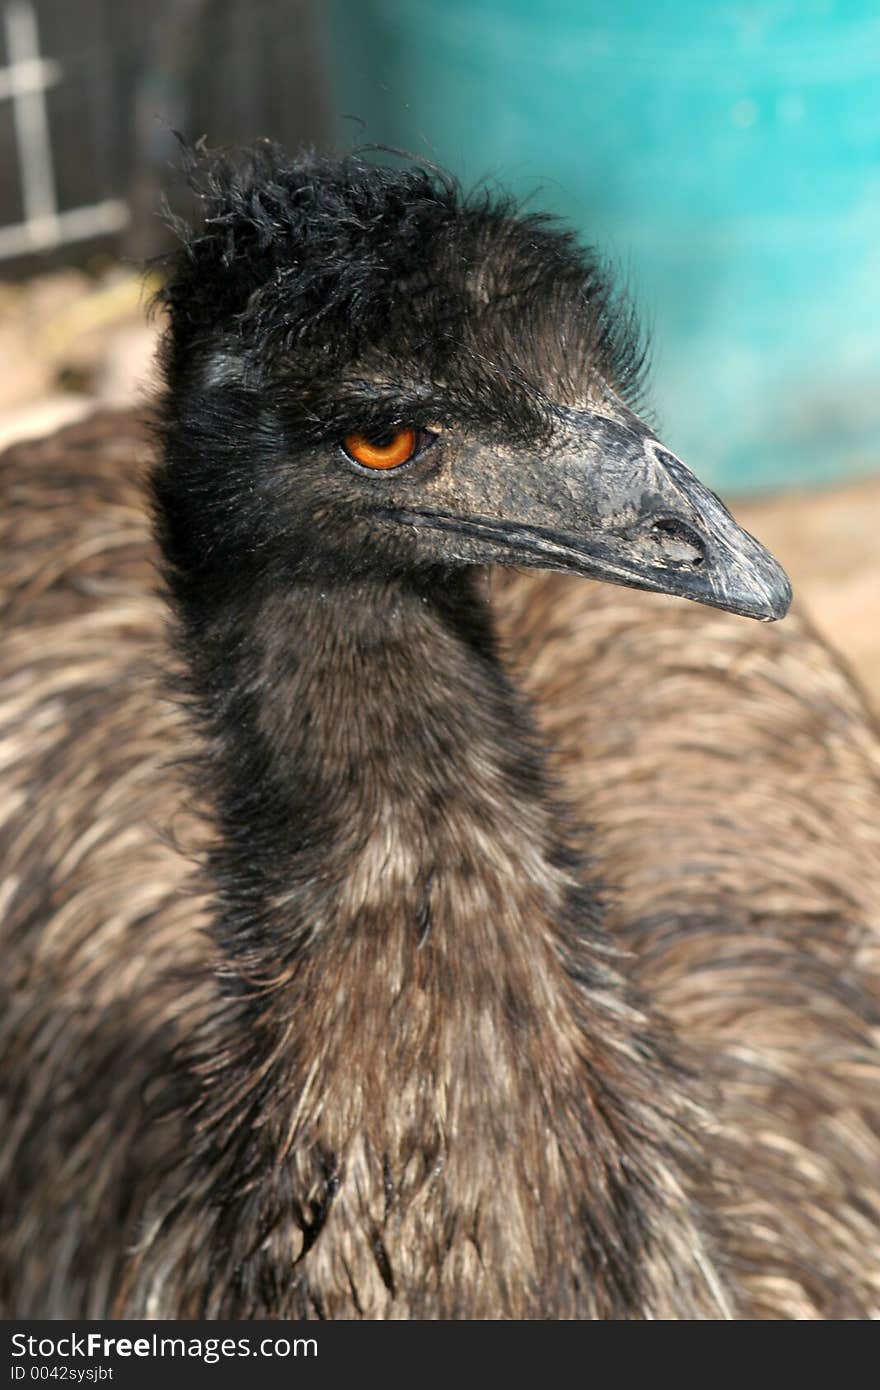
{"x": 303, "y": 270}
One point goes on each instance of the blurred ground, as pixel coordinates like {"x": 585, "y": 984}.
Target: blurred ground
{"x": 829, "y": 542}
{"x": 71, "y": 340}
{"x": 68, "y": 341}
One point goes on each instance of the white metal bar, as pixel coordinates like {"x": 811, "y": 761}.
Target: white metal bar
{"x": 77, "y": 225}
{"x": 31, "y": 125}
{"x": 35, "y": 75}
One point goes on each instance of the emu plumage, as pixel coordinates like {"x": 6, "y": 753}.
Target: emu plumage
{"x": 420, "y": 1063}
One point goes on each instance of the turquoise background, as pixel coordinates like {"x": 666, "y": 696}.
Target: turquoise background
{"x": 725, "y": 155}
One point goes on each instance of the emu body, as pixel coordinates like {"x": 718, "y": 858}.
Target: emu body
{"x": 464, "y": 945}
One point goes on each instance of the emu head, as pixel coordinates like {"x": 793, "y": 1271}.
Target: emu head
{"x": 370, "y": 373}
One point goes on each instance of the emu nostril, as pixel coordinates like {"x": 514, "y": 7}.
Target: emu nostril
{"x": 679, "y": 544}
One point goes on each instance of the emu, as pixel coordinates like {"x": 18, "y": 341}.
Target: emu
{"x": 423, "y": 930}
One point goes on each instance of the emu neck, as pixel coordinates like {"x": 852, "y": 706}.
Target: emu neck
{"x": 382, "y": 791}
{"x": 439, "y": 1085}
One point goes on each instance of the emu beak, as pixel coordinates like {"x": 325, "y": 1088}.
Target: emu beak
{"x": 611, "y": 502}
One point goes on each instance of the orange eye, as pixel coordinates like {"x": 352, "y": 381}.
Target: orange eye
{"x": 388, "y": 451}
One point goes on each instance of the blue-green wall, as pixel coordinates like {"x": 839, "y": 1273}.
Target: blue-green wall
{"x": 726, "y": 155}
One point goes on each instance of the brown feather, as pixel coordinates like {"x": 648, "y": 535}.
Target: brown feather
{"x": 732, "y": 777}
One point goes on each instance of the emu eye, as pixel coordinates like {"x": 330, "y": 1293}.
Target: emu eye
{"x": 388, "y": 450}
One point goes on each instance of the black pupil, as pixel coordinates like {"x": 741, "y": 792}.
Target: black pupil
{"x": 384, "y": 438}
